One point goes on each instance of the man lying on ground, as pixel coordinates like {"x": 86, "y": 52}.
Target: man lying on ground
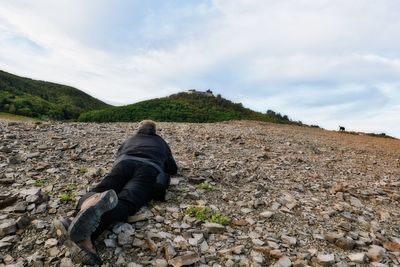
{"x": 139, "y": 174}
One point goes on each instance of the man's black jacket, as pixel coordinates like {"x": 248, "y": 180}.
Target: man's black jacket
{"x": 151, "y": 146}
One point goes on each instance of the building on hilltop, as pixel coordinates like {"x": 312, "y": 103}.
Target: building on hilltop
{"x": 193, "y": 91}
{"x": 209, "y": 92}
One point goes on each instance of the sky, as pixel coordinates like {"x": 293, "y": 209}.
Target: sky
{"x": 323, "y": 62}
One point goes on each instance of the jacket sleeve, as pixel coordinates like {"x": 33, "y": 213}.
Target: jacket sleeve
{"x": 170, "y": 164}
{"x": 120, "y": 150}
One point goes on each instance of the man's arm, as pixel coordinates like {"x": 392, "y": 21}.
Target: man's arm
{"x": 170, "y": 164}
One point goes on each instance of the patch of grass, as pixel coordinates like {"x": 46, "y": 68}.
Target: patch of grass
{"x": 65, "y": 197}
{"x": 205, "y": 214}
{"x": 198, "y": 212}
{"x": 13, "y": 117}
{"x": 205, "y": 186}
{"x": 380, "y": 135}
{"x": 71, "y": 187}
{"x": 40, "y": 183}
{"x": 383, "y": 135}
{"x": 83, "y": 169}
{"x": 220, "y": 219}
{"x": 185, "y": 190}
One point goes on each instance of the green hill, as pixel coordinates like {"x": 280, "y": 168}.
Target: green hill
{"x": 32, "y": 98}
{"x": 183, "y": 107}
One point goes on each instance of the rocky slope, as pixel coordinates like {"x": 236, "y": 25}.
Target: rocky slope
{"x": 295, "y": 196}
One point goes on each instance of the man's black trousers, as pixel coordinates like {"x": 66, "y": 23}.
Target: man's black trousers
{"x": 133, "y": 182}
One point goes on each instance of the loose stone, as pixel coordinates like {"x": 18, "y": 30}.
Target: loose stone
{"x": 326, "y": 259}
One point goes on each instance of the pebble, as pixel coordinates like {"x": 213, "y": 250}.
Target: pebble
{"x": 204, "y": 247}
{"x": 5, "y": 244}
{"x": 54, "y": 251}
{"x": 288, "y": 200}
{"x": 289, "y": 240}
{"x": 39, "y": 224}
{"x": 169, "y": 251}
{"x": 110, "y": 243}
{"x": 376, "y": 253}
{"x": 186, "y": 259}
{"x": 159, "y": 219}
{"x": 342, "y": 264}
{"x": 30, "y": 192}
{"x": 346, "y": 243}
{"x": 140, "y": 217}
{"x": 284, "y": 261}
{"x": 122, "y": 227}
{"x": 8, "y": 259}
{"x": 124, "y": 238}
{"x": 66, "y": 262}
{"x": 392, "y": 246}
{"x": 256, "y": 257}
{"x": 23, "y": 222}
{"x": 378, "y": 264}
{"x": 358, "y": 257}
{"x": 151, "y": 244}
{"x": 51, "y": 242}
{"x": 161, "y": 263}
{"x": 326, "y": 259}
{"x": 214, "y": 227}
{"x": 138, "y": 242}
{"x": 8, "y": 227}
{"x": 332, "y": 236}
{"x": 356, "y": 202}
{"x": 20, "y": 207}
{"x": 276, "y": 253}
{"x": 121, "y": 260}
{"x": 267, "y": 214}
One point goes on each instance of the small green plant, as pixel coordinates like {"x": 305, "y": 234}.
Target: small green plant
{"x": 205, "y": 186}
{"x": 71, "y": 187}
{"x": 205, "y": 214}
{"x": 65, "y": 197}
{"x": 198, "y": 212}
{"x": 185, "y": 190}
{"x": 83, "y": 169}
{"x": 40, "y": 183}
{"x": 219, "y": 218}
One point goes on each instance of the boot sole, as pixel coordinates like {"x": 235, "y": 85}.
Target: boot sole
{"x": 83, "y": 256}
{"x": 87, "y": 221}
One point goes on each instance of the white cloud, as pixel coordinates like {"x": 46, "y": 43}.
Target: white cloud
{"x": 309, "y": 58}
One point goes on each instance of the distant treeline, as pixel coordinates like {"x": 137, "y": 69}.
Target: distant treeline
{"x": 45, "y": 100}
{"x": 183, "y": 107}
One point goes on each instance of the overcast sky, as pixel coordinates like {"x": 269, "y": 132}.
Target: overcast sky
{"x": 324, "y": 62}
